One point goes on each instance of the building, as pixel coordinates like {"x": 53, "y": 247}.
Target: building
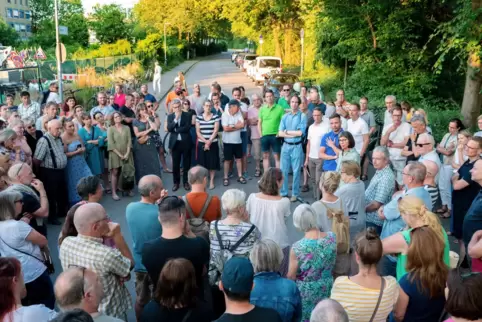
{"x": 18, "y": 15}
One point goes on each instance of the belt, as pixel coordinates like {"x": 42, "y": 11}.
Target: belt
{"x": 295, "y": 143}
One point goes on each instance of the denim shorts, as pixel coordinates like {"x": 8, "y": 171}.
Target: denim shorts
{"x": 270, "y": 142}
{"x": 244, "y": 142}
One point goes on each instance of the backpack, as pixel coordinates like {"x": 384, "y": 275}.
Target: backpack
{"x": 127, "y": 177}
{"x": 199, "y": 226}
{"x": 341, "y": 228}
{"x": 225, "y": 253}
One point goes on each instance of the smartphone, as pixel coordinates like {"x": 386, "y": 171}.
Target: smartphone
{"x": 79, "y": 146}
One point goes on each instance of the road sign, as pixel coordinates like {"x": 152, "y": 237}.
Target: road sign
{"x": 63, "y": 30}
{"x": 63, "y": 53}
{"x": 261, "y": 39}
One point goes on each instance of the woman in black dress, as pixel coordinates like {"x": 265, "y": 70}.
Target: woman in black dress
{"x": 464, "y": 190}
{"x": 207, "y": 127}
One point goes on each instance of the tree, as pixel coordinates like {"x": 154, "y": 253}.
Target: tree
{"x": 8, "y": 35}
{"x": 109, "y": 23}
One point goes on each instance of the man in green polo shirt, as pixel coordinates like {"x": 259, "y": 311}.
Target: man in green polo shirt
{"x": 270, "y": 116}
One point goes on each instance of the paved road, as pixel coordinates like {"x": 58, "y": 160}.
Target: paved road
{"x": 218, "y": 68}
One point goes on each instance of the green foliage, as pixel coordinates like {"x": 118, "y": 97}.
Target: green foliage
{"x": 8, "y": 35}
{"x": 109, "y": 23}
{"x": 120, "y": 47}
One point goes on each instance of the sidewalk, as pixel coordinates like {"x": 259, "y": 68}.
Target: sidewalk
{"x": 167, "y": 80}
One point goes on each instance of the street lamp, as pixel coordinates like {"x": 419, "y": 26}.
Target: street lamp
{"x": 59, "y": 54}
{"x": 261, "y": 44}
{"x": 165, "y": 44}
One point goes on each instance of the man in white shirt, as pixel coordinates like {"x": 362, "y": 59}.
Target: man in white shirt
{"x": 312, "y": 160}
{"x": 425, "y": 146}
{"x": 395, "y": 136}
{"x": 359, "y": 129}
{"x": 28, "y": 109}
{"x": 54, "y": 96}
{"x": 232, "y": 121}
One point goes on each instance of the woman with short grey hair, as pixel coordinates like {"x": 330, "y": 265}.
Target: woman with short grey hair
{"x": 270, "y": 289}
{"x": 312, "y": 259}
{"x": 231, "y": 236}
{"x": 32, "y": 135}
{"x": 7, "y": 146}
{"x": 19, "y": 240}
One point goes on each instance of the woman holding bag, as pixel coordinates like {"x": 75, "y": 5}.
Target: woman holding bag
{"x": 120, "y": 147}
{"x": 146, "y": 157}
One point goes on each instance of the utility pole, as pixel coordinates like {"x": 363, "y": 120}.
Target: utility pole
{"x": 302, "y": 38}
{"x": 261, "y": 45}
{"x": 165, "y": 44}
{"x": 59, "y": 54}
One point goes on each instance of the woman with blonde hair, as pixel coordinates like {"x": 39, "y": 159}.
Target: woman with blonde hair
{"x": 421, "y": 296}
{"x": 415, "y": 214}
{"x": 21, "y": 141}
{"x": 407, "y": 109}
{"x": 329, "y": 183}
{"x": 459, "y": 156}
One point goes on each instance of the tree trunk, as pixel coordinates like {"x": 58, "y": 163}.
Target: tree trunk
{"x": 277, "y": 46}
{"x": 287, "y": 40}
{"x": 472, "y": 98}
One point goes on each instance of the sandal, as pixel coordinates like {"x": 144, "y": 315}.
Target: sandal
{"x": 242, "y": 180}
{"x": 441, "y": 210}
{"x": 444, "y": 215}
{"x": 257, "y": 173}
{"x": 167, "y": 170}
{"x": 226, "y": 182}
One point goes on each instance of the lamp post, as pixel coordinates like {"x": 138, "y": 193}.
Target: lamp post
{"x": 59, "y": 54}
{"x": 165, "y": 44}
{"x": 261, "y": 45}
{"x": 302, "y": 38}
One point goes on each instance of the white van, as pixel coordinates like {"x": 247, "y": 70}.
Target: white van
{"x": 264, "y": 65}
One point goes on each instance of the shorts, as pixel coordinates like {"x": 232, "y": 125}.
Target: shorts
{"x": 233, "y": 151}
{"x": 398, "y": 166}
{"x": 270, "y": 142}
{"x": 244, "y": 142}
{"x": 144, "y": 288}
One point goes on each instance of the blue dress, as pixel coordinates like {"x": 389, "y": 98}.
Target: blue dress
{"x": 76, "y": 169}
{"x": 94, "y": 154}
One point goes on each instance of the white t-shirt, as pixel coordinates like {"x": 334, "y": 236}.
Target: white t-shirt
{"x": 53, "y": 97}
{"x": 14, "y": 233}
{"x": 38, "y": 313}
{"x": 244, "y": 109}
{"x": 358, "y": 129}
{"x": 233, "y": 137}
{"x": 315, "y": 133}
{"x": 397, "y": 136}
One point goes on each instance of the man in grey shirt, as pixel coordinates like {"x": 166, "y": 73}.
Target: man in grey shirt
{"x": 197, "y": 100}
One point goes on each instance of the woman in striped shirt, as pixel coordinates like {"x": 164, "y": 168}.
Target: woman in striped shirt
{"x": 359, "y": 294}
{"x": 207, "y": 127}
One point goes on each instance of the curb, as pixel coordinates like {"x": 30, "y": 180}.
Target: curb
{"x": 172, "y": 86}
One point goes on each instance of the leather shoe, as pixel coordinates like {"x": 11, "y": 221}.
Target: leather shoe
{"x": 55, "y": 222}
{"x": 187, "y": 186}
{"x": 175, "y": 187}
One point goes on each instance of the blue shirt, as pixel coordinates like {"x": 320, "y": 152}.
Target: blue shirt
{"x": 142, "y": 220}
{"x": 473, "y": 219}
{"x": 394, "y": 222}
{"x": 330, "y": 165}
{"x": 106, "y": 110}
{"x": 150, "y": 98}
{"x": 281, "y": 294}
{"x": 293, "y": 122}
{"x": 312, "y": 106}
{"x": 420, "y": 306}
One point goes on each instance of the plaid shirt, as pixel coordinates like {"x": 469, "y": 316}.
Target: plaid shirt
{"x": 42, "y": 152}
{"x": 108, "y": 263}
{"x": 381, "y": 189}
{"x": 31, "y": 111}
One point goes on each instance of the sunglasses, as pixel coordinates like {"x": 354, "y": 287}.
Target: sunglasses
{"x": 286, "y": 90}
{"x": 148, "y": 106}
{"x": 83, "y": 276}
{"x": 30, "y": 126}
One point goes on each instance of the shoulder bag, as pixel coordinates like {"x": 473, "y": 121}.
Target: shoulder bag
{"x": 379, "y": 300}
{"x": 47, "y": 261}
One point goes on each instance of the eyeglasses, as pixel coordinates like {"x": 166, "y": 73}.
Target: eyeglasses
{"x": 19, "y": 169}
{"x": 396, "y": 115}
{"x": 469, "y": 147}
{"x": 406, "y": 174}
{"x": 30, "y": 127}
{"x": 185, "y": 104}
{"x": 83, "y": 276}
{"x": 420, "y": 145}
{"x": 148, "y": 106}
{"x": 285, "y": 90}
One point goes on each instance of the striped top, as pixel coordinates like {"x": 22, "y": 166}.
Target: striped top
{"x": 433, "y": 191}
{"x": 207, "y": 127}
{"x": 359, "y": 302}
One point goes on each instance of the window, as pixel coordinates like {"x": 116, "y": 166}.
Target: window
{"x": 27, "y": 14}
{"x": 28, "y": 28}
{"x": 15, "y": 1}
{"x": 9, "y": 13}
{"x": 15, "y": 13}
{"x": 9, "y": 1}
{"x": 21, "y": 14}
{"x": 21, "y": 2}
{"x": 22, "y": 28}
{"x": 26, "y": 3}
{"x": 17, "y": 27}
{"x": 12, "y": 25}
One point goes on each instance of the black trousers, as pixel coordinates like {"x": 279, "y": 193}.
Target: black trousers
{"x": 181, "y": 149}
{"x": 56, "y": 189}
{"x": 40, "y": 291}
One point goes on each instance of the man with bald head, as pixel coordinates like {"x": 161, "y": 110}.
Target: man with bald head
{"x": 143, "y": 223}
{"x": 50, "y": 161}
{"x": 329, "y": 310}
{"x": 81, "y": 288}
{"x": 429, "y": 182}
{"x": 112, "y": 265}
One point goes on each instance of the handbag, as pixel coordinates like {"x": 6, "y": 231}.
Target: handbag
{"x": 379, "y": 299}
{"x": 47, "y": 261}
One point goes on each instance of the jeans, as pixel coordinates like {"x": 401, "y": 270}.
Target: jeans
{"x": 40, "y": 291}
{"x": 378, "y": 229}
{"x": 291, "y": 158}
{"x": 445, "y": 185}
{"x": 316, "y": 168}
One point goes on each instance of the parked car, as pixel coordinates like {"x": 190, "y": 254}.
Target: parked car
{"x": 250, "y": 71}
{"x": 265, "y": 65}
{"x": 248, "y": 58}
{"x": 240, "y": 60}
{"x": 278, "y": 80}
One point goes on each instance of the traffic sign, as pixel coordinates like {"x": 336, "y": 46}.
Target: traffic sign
{"x": 62, "y": 52}
{"x": 63, "y": 30}
{"x": 260, "y": 39}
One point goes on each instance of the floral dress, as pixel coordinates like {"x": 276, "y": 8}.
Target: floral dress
{"x": 316, "y": 261}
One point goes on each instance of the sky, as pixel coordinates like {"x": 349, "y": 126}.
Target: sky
{"x": 88, "y": 4}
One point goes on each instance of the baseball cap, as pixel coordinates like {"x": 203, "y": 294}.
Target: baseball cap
{"x": 238, "y": 275}
{"x": 234, "y": 102}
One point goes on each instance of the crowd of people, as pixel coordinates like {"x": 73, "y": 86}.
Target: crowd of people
{"x": 370, "y": 251}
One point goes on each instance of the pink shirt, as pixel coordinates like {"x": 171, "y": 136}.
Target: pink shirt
{"x": 120, "y": 99}
{"x": 253, "y": 114}
{"x": 476, "y": 265}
